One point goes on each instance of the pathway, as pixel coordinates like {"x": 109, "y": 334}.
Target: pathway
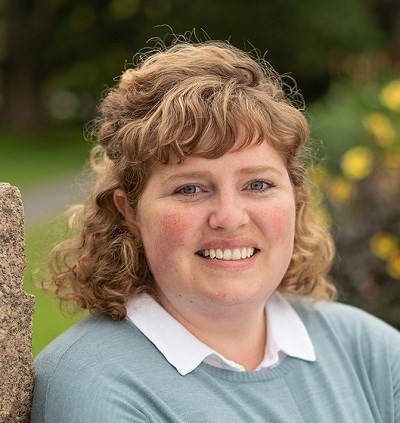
{"x": 49, "y": 199}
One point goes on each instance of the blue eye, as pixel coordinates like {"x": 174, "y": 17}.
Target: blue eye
{"x": 189, "y": 190}
{"x": 258, "y": 186}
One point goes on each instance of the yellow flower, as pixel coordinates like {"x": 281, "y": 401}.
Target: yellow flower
{"x": 393, "y": 266}
{"x": 380, "y": 127}
{"x": 390, "y": 95}
{"x": 384, "y": 245}
{"x": 340, "y": 190}
{"x": 357, "y": 163}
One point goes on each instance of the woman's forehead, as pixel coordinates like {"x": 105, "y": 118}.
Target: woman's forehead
{"x": 249, "y": 159}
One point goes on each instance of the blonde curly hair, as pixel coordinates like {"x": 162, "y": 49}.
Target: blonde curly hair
{"x": 172, "y": 103}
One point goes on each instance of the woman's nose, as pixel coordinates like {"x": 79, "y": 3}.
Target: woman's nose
{"x": 229, "y": 213}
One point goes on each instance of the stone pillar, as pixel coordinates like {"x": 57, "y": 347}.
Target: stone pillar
{"x": 16, "y": 310}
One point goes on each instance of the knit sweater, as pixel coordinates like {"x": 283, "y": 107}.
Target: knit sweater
{"x": 102, "y": 371}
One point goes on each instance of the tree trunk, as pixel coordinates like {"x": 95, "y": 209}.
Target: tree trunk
{"x": 22, "y": 68}
{"x": 22, "y": 104}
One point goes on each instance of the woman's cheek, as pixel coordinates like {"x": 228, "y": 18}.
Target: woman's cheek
{"x": 164, "y": 238}
{"x": 282, "y": 221}
{"x": 175, "y": 228}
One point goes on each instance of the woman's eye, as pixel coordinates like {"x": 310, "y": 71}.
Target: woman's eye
{"x": 188, "y": 190}
{"x": 259, "y": 186}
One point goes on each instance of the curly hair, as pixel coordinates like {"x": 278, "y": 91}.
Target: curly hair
{"x": 183, "y": 100}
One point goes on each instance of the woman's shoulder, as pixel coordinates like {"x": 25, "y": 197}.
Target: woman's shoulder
{"x": 340, "y": 315}
{"x": 347, "y": 323}
{"x": 85, "y": 337}
{"x": 91, "y": 354}
{"x": 93, "y": 343}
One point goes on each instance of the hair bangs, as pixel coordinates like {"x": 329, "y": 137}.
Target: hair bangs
{"x": 207, "y": 125}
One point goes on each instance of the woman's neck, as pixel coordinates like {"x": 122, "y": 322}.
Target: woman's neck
{"x": 239, "y": 335}
{"x": 243, "y": 345}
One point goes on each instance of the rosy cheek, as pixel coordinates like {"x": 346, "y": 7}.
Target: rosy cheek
{"x": 281, "y": 222}
{"x": 163, "y": 239}
{"x": 174, "y": 229}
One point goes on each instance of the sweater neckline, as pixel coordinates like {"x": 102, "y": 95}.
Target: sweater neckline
{"x": 252, "y": 376}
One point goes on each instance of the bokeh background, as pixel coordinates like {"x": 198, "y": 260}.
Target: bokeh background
{"x": 58, "y": 57}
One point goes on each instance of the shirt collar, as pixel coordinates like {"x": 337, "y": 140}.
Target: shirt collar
{"x": 285, "y": 331}
{"x": 286, "y": 334}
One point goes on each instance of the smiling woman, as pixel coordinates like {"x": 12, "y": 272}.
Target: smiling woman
{"x": 221, "y": 214}
{"x": 198, "y": 254}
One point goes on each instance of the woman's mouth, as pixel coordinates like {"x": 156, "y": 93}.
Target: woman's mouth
{"x": 227, "y": 254}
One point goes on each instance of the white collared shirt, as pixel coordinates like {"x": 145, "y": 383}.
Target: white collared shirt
{"x": 286, "y": 336}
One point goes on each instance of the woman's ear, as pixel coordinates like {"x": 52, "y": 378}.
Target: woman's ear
{"x": 122, "y": 204}
{"x": 120, "y": 201}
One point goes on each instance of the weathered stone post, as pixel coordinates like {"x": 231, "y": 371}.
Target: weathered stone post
{"x": 16, "y": 310}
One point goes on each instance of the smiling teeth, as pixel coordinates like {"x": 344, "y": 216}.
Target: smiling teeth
{"x": 235, "y": 254}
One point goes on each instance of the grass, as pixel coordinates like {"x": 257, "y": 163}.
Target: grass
{"x": 29, "y": 162}
{"x": 48, "y": 320}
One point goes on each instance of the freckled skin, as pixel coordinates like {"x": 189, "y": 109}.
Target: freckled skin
{"x": 170, "y": 238}
{"x": 225, "y": 209}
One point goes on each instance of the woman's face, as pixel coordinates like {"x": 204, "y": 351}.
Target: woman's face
{"x": 218, "y": 232}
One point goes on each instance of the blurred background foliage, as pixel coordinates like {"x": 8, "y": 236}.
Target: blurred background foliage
{"x": 57, "y": 57}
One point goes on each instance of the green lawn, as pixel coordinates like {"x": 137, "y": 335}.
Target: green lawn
{"x": 28, "y": 162}
{"x": 48, "y": 320}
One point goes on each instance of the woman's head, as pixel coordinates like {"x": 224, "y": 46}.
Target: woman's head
{"x": 186, "y": 100}
{"x": 192, "y": 100}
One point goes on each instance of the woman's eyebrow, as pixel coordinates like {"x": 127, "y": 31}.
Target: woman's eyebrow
{"x": 259, "y": 169}
{"x": 187, "y": 175}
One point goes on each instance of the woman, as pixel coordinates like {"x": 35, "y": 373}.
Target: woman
{"x": 201, "y": 261}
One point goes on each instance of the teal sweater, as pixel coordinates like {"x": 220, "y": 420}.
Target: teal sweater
{"x": 102, "y": 371}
